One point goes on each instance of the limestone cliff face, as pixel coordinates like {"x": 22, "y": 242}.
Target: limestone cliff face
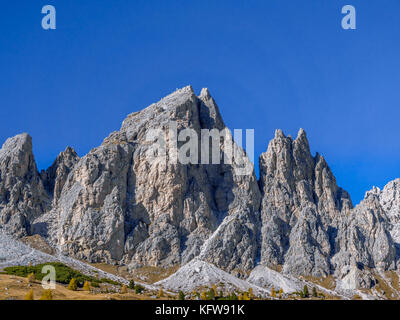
{"x": 114, "y": 205}
{"x": 301, "y": 207}
{"x": 363, "y": 239}
{"x": 22, "y": 195}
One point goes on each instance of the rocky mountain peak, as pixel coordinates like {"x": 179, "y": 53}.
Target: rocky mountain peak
{"x": 16, "y": 156}
{"x": 22, "y": 195}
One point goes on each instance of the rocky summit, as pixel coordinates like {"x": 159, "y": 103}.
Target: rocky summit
{"x": 115, "y": 206}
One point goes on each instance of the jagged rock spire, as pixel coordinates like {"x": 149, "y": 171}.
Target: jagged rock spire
{"x": 294, "y": 183}
{"x": 22, "y": 196}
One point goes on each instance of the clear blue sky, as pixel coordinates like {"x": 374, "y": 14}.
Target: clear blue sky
{"x": 269, "y": 64}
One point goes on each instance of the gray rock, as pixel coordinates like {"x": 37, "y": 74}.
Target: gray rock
{"x": 364, "y": 241}
{"x": 114, "y": 205}
{"x": 22, "y": 195}
{"x": 301, "y": 207}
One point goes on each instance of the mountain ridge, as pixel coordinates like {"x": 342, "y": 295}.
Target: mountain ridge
{"x": 113, "y": 206}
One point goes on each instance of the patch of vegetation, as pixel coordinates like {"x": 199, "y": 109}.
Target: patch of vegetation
{"x": 139, "y": 289}
{"x": 115, "y": 283}
{"x": 232, "y": 296}
{"x": 181, "y": 295}
{"x": 327, "y": 282}
{"x": 64, "y": 274}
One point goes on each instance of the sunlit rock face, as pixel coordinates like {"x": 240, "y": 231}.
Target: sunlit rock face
{"x": 301, "y": 207}
{"x": 22, "y": 195}
{"x": 117, "y": 205}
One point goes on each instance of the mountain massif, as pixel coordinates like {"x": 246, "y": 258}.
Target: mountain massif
{"x": 115, "y": 206}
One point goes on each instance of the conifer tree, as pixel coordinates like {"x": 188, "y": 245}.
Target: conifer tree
{"x": 214, "y": 288}
{"x": 251, "y": 293}
{"x": 181, "y": 295}
{"x": 31, "y": 278}
{"x": 138, "y": 289}
{"x": 273, "y": 293}
{"x": 29, "y": 295}
{"x": 245, "y": 296}
{"x": 47, "y": 295}
{"x": 305, "y": 292}
{"x": 86, "y": 286}
{"x": 73, "y": 285}
{"x": 314, "y": 292}
{"x": 203, "y": 296}
{"x": 160, "y": 293}
{"x": 131, "y": 284}
{"x": 280, "y": 293}
{"x": 210, "y": 294}
{"x": 124, "y": 289}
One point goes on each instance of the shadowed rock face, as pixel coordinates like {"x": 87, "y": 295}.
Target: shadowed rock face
{"x": 115, "y": 206}
{"x": 55, "y": 177}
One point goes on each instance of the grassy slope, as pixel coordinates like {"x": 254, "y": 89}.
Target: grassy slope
{"x": 18, "y": 287}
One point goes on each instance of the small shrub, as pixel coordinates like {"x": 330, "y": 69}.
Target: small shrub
{"x": 31, "y": 278}
{"x": 29, "y": 295}
{"x": 124, "y": 289}
{"x": 139, "y": 289}
{"x": 305, "y": 292}
{"x": 47, "y": 295}
{"x": 314, "y": 292}
{"x": 214, "y": 288}
{"x": 109, "y": 281}
{"x": 86, "y": 286}
{"x": 233, "y": 296}
{"x": 251, "y": 295}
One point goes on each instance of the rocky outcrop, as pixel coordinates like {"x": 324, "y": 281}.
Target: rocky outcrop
{"x": 55, "y": 177}
{"x": 363, "y": 240}
{"x": 389, "y": 199}
{"x": 22, "y": 195}
{"x": 368, "y": 238}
